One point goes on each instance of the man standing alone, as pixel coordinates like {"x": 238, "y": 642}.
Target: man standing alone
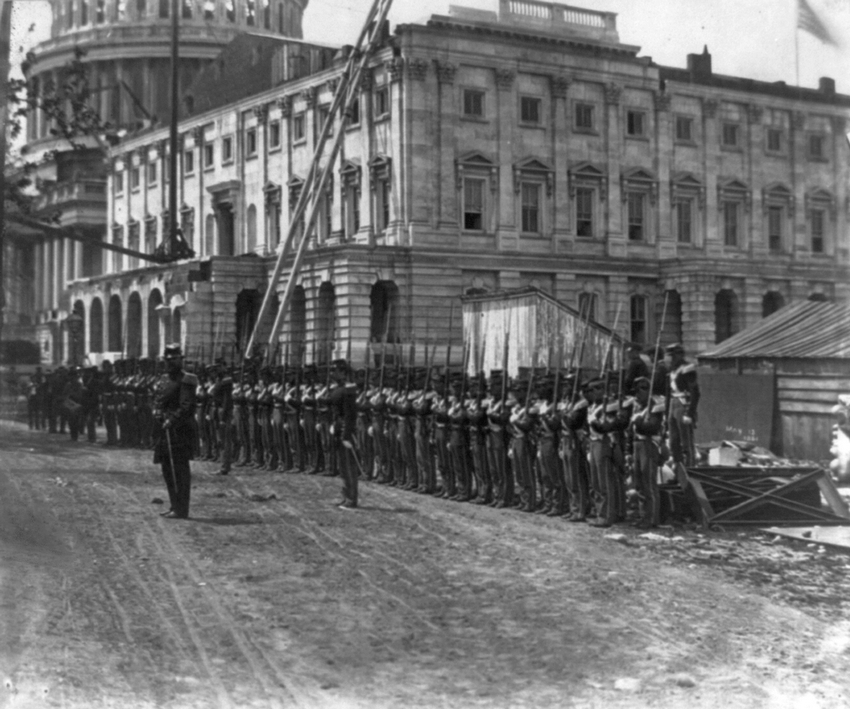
{"x": 174, "y": 409}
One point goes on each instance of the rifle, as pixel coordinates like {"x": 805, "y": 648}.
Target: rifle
{"x": 479, "y": 369}
{"x": 580, "y": 354}
{"x": 604, "y": 368}
{"x": 463, "y": 376}
{"x": 655, "y": 354}
{"x": 366, "y": 374}
{"x": 410, "y": 360}
{"x": 348, "y": 360}
{"x": 531, "y": 379}
{"x": 449, "y": 349}
{"x": 557, "y": 372}
{"x": 505, "y": 370}
{"x": 384, "y": 351}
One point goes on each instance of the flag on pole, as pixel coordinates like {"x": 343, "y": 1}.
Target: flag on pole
{"x": 809, "y": 21}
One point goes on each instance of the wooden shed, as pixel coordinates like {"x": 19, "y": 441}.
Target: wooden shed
{"x": 540, "y": 332}
{"x": 779, "y": 380}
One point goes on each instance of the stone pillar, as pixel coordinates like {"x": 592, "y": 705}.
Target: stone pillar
{"x": 711, "y": 149}
{"x": 664, "y": 137}
{"x": 446, "y": 150}
{"x": 755, "y": 147}
{"x": 559, "y": 87}
{"x": 421, "y": 154}
{"x": 797, "y": 242}
{"x": 614, "y": 153}
{"x": 507, "y": 230}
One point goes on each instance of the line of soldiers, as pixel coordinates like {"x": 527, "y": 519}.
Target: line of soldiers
{"x": 555, "y": 443}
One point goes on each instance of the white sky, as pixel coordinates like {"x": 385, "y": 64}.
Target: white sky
{"x": 749, "y": 38}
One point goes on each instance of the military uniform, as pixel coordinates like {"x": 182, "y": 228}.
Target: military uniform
{"x": 175, "y": 409}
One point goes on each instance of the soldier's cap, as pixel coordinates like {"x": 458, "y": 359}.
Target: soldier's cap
{"x": 642, "y": 382}
{"x": 675, "y": 348}
{"x": 173, "y": 351}
{"x": 594, "y": 382}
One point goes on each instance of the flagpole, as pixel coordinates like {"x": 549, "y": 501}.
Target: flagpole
{"x": 797, "y": 47}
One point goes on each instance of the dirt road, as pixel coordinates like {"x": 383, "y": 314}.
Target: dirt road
{"x": 410, "y": 601}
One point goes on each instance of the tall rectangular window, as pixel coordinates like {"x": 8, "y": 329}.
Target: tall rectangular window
{"x": 189, "y": 162}
{"x": 251, "y": 142}
{"x": 227, "y": 150}
{"x": 584, "y": 116}
{"x": 119, "y": 182}
{"x": 774, "y": 228}
{"x": 298, "y": 128}
{"x": 382, "y": 204}
{"x": 209, "y": 155}
{"x": 730, "y": 223}
{"x": 684, "y": 129}
{"x": 587, "y": 305}
{"x": 354, "y": 113}
{"x": 134, "y": 178}
{"x": 324, "y": 114}
{"x": 163, "y": 8}
{"x": 584, "y": 212}
{"x": 152, "y": 173}
{"x": 530, "y": 195}
{"x": 635, "y": 123}
{"x": 637, "y": 216}
{"x": 730, "y": 135}
{"x": 473, "y": 103}
{"x": 274, "y": 134}
{"x": 473, "y": 204}
{"x": 382, "y": 102}
{"x": 816, "y": 147}
{"x": 530, "y": 109}
{"x": 818, "y": 223}
{"x": 774, "y": 140}
{"x": 684, "y": 221}
{"x": 352, "y": 211}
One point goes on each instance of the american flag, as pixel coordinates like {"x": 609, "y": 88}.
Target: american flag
{"x": 809, "y": 21}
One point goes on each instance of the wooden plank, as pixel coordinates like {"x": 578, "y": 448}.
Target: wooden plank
{"x": 702, "y": 500}
{"x": 808, "y": 407}
{"x": 832, "y": 496}
{"x": 830, "y": 397}
{"x": 821, "y": 384}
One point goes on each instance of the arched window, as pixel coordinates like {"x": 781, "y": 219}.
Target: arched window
{"x": 298, "y": 322}
{"x": 134, "y": 325}
{"x": 672, "y": 318}
{"x": 154, "y": 302}
{"x": 251, "y": 230}
{"x": 725, "y": 315}
{"x": 325, "y": 321}
{"x": 638, "y": 321}
{"x": 248, "y": 304}
{"x": 116, "y": 332}
{"x": 771, "y": 302}
{"x": 587, "y": 305}
{"x": 383, "y": 302}
{"x": 177, "y": 326}
{"x": 96, "y": 326}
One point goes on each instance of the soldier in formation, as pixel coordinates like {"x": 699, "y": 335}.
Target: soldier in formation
{"x": 557, "y": 443}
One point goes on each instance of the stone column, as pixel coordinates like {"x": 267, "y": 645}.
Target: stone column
{"x": 559, "y": 86}
{"x": 664, "y": 137}
{"x": 614, "y": 152}
{"x": 507, "y": 229}
{"x": 446, "y": 150}
{"x": 797, "y": 241}
{"x": 711, "y": 149}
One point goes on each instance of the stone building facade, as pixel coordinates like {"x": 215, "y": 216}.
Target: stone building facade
{"x": 127, "y": 52}
{"x": 490, "y": 151}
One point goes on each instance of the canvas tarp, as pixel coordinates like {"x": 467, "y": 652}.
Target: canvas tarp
{"x": 540, "y": 332}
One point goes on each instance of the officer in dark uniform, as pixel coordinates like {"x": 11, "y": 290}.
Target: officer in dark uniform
{"x": 343, "y": 403}
{"x": 174, "y": 410}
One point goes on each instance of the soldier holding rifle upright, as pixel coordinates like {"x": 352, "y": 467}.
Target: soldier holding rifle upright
{"x": 684, "y": 399}
{"x": 174, "y": 409}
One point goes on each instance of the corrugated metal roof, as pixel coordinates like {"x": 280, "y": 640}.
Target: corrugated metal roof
{"x": 800, "y": 330}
